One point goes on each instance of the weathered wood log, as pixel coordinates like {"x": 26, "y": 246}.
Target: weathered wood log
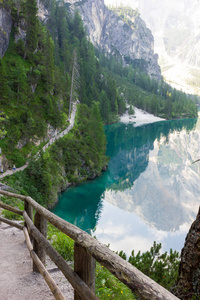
{"x": 49, "y": 280}
{"x": 77, "y": 283}
{"x": 41, "y": 225}
{"x": 13, "y": 195}
{"x": 12, "y": 223}
{"x": 139, "y": 283}
{"x": 10, "y": 208}
{"x": 84, "y": 266}
{"x": 29, "y": 210}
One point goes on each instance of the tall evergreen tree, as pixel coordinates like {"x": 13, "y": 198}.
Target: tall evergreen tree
{"x": 97, "y": 130}
{"x": 32, "y": 27}
{"x": 78, "y": 29}
{"x": 49, "y": 62}
{"x": 20, "y": 83}
{"x": 3, "y": 84}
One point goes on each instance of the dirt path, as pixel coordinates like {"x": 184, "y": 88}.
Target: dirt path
{"x": 17, "y": 281}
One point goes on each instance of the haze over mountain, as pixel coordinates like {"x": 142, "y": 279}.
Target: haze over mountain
{"x": 175, "y": 26}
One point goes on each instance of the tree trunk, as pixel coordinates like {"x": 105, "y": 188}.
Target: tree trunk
{"x": 188, "y": 285}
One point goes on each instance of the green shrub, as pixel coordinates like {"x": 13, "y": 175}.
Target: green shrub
{"x": 10, "y": 215}
{"x": 161, "y": 267}
{"x": 61, "y": 242}
{"x": 109, "y": 287}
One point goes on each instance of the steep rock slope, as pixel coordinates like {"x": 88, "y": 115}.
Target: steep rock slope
{"x": 111, "y": 33}
{"x": 176, "y": 29}
{"x": 175, "y": 25}
{"x": 6, "y": 23}
{"x": 5, "y": 29}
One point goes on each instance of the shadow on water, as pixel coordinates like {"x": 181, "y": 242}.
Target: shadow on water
{"x": 128, "y": 148}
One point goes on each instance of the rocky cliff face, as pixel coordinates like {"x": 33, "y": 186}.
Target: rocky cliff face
{"x": 105, "y": 28}
{"x": 176, "y": 29}
{"x": 5, "y": 29}
{"x": 111, "y": 33}
{"x": 6, "y": 24}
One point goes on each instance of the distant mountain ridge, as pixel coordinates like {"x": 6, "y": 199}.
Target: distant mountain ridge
{"x": 176, "y": 29}
{"x": 109, "y": 32}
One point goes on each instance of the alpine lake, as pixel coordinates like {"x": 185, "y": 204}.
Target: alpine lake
{"x": 150, "y": 192}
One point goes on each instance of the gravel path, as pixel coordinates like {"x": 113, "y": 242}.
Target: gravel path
{"x": 17, "y": 280}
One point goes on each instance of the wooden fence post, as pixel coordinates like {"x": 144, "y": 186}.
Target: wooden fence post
{"x": 84, "y": 266}
{"x": 28, "y": 209}
{"x": 41, "y": 225}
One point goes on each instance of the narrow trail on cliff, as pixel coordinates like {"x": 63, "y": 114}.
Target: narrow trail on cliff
{"x": 17, "y": 280}
{"x": 50, "y": 142}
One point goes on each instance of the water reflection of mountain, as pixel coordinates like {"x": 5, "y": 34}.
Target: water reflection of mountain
{"x": 129, "y": 148}
{"x": 142, "y": 177}
{"x": 152, "y": 172}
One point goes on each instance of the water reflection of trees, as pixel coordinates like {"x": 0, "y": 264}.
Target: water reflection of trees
{"x": 82, "y": 205}
{"x": 129, "y": 148}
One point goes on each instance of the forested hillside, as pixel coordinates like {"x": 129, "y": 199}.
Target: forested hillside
{"x": 51, "y": 63}
{"x": 36, "y": 77}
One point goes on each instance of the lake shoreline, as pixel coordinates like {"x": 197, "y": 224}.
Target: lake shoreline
{"x": 139, "y": 118}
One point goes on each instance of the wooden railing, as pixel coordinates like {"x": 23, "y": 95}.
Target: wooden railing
{"x": 86, "y": 251}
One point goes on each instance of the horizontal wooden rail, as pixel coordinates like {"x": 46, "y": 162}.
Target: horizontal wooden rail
{"x": 139, "y": 283}
{"x": 47, "y": 277}
{"x": 10, "y": 208}
{"x": 12, "y": 223}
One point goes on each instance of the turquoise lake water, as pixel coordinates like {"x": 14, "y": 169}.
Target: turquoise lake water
{"x": 150, "y": 192}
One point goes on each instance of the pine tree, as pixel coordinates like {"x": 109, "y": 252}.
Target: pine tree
{"x": 49, "y": 62}
{"x": 32, "y": 27}
{"x": 20, "y": 82}
{"x": 105, "y": 107}
{"x": 97, "y": 130}
{"x": 78, "y": 29}
{"x": 4, "y": 88}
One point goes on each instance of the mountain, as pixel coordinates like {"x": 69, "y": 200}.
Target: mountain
{"x": 175, "y": 26}
{"x": 111, "y": 33}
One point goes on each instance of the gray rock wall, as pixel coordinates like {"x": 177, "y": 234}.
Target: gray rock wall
{"x": 5, "y": 29}
{"x": 107, "y": 31}
{"x": 6, "y": 26}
